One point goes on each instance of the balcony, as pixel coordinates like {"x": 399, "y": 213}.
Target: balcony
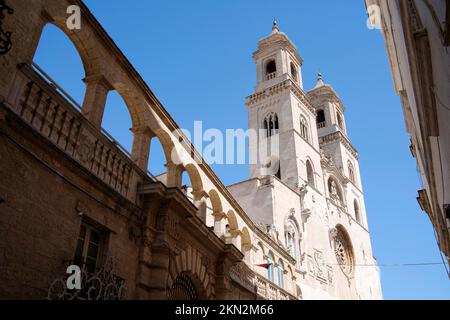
{"x": 321, "y": 125}
{"x": 271, "y": 76}
{"x": 45, "y": 107}
{"x": 96, "y": 283}
{"x": 259, "y": 285}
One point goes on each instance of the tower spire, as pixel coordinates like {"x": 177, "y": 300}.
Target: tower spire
{"x": 275, "y": 26}
{"x": 320, "y": 82}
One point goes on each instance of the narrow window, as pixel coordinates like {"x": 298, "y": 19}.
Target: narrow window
{"x": 357, "y": 214}
{"x": 340, "y": 121}
{"x": 266, "y": 127}
{"x": 320, "y": 119}
{"x": 275, "y": 125}
{"x": 280, "y": 274}
{"x": 270, "y": 271}
{"x": 294, "y": 72}
{"x": 271, "y": 124}
{"x": 271, "y": 67}
{"x": 351, "y": 172}
{"x": 310, "y": 173}
{"x": 304, "y": 130}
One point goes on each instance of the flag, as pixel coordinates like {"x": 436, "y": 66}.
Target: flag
{"x": 264, "y": 265}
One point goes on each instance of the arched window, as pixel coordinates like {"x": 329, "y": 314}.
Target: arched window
{"x": 294, "y": 71}
{"x": 304, "y": 128}
{"x": 271, "y": 125}
{"x": 310, "y": 173}
{"x": 271, "y": 70}
{"x": 280, "y": 273}
{"x": 356, "y": 208}
{"x": 320, "y": 119}
{"x": 351, "y": 172}
{"x": 270, "y": 272}
{"x": 275, "y": 123}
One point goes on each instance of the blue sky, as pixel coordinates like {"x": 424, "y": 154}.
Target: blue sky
{"x": 197, "y": 58}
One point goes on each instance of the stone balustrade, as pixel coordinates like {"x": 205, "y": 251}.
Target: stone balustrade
{"x": 261, "y": 286}
{"x": 271, "y": 76}
{"x": 43, "y": 105}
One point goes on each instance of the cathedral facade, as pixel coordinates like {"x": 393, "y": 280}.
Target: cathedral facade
{"x": 70, "y": 196}
{"x": 312, "y": 204}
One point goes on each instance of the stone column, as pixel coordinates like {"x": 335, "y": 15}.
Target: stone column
{"x": 97, "y": 88}
{"x": 141, "y": 147}
{"x": 173, "y": 175}
{"x": 200, "y": 198}
{"x": 159, "y": 272}
{"x": 227, "y": 259}
{"x": 218, "y": 225}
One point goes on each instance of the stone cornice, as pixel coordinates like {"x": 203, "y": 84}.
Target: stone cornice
{"x": 277, "y": 40}
{"x": 339, "y": 137}
{"x": 325, "y": 92}
{"x": 279, "y": 88}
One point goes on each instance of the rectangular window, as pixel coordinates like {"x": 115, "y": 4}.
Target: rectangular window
{"x": 89, "y": 249}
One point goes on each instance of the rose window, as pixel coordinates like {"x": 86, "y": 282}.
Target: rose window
{"x": 344, "y": 252}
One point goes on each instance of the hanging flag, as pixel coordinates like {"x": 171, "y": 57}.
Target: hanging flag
{"x": 264, "y": 265}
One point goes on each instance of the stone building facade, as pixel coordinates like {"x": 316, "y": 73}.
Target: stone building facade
{"x": 417, "y": 38}
{"x": 69, "y": 195}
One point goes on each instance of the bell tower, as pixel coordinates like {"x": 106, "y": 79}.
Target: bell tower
{"x": 335, "y": 144}
{"x": 277, "y": 59}
{"x": 279, "y": 111}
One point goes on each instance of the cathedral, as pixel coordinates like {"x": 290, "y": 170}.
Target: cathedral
{"x": 71, "y": 197}
{"x": 313, "y": 204}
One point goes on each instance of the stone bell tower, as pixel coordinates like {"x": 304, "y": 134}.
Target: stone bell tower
{"x": 282, "y": 116}
{"x": 335, "y": 145}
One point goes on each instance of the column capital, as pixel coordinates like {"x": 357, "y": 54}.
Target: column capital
{"x": 145, "y": 130}
{"x": 219, "y": 215}
{"x": 235, "y": 233}
{"x": 98, "y": 79}
{"x": 200, "y": 194}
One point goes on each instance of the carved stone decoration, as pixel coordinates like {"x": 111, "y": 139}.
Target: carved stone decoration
{"x": 172, "y": 227}
{"x": 312, "y": 266}
{"x": 5, "y": 36}
{"x": 241, "y": 273}
{"x": 85, "y": 147}
{"x": 333, "y": 191}
{"x": 330, "y": 274}
{"x": 101, "y": 284}
{"x": 321, "y": 272}
{"x": 274, "y": 234}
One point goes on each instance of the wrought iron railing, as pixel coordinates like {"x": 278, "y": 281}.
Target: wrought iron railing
{"x": 95, "y": 283}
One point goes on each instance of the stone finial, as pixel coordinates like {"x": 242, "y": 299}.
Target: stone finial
{"x": 275, "y": 26}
